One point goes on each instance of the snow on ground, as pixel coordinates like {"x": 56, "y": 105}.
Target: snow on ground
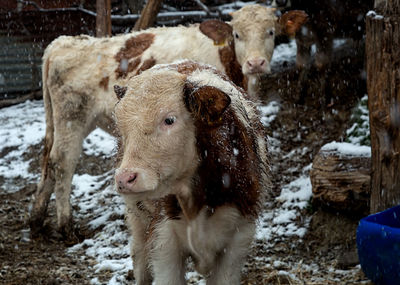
{"x": 94, "y": 197}
{"x": 284, "y": 53}
{"x": 22, "y": 126}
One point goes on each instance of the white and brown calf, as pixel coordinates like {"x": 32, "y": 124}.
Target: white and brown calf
{"x": 79, "y": 72}
{"x": 192, "y": 170}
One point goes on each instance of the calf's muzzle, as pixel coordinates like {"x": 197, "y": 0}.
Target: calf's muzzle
{"x": 257, "y": 65}
{"x": 126, "y": 181}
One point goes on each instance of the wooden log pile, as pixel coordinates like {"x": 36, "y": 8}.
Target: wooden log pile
{"x": 341, "y": 182}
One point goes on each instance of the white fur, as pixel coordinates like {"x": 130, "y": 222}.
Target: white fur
{"x": 218, "y": 245}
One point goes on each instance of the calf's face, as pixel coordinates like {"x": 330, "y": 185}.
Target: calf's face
{"x": 254, "y": 29}
{"x": 254, "y": 33}
{"x": 156, "y": 123}
{"x": 157, "y": 135}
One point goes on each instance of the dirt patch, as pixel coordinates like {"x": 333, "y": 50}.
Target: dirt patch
{"x": 26, "y": 261}
{"x": 328, "y": 231}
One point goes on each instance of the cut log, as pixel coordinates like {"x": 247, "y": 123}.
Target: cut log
{"x": 341, "y": 182}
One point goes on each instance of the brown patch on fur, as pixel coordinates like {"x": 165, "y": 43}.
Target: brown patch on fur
{"x": 220, "y": 32}
{"x": 234, "y": 179}
{"x": 120, "y": 91}
{"x": 232, "y": 67}
{"x": 229, "y": 171}
{"x": 188, "y": 67}
{"x": 172, "y": 208}
{"x": 122, "y": 72}
{"x": 291, "y": 22}
{"x": 165, "y": 207}
{"x": 147, "y": 64}
{"x": 104, "y": 83}
{"x": 206, "y": 103}
{"x": 134, "y": 47}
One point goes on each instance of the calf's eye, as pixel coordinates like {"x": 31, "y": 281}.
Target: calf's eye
{"x": 236, "y": 35}
{"x": 170, "y": 120}
{"x": 271, "y": 32}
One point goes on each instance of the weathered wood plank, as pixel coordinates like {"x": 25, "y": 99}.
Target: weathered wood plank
{"x": 383, "y": 83}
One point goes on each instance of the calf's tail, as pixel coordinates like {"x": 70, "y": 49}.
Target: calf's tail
{"x": 49, "y": 137}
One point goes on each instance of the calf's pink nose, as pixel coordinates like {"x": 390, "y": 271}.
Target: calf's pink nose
{"x": 125, "y": 180}
{"x": 256, "y": 65}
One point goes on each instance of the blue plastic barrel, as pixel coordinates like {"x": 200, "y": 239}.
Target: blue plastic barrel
{"x": 378, "y": 244}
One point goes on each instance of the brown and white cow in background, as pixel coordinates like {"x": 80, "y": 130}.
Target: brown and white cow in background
{"x": 193, "y": 171}
{"x": 79, "y": 72}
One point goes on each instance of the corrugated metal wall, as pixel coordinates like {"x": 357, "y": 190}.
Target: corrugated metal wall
{"x": 20, "y": 66}
{"x": 23, "y": 37}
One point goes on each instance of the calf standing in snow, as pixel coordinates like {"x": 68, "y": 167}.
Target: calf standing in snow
{"x": 192, "y": 170}
{"x": 79, "y": 72}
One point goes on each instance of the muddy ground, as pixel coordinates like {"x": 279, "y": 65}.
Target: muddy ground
{"x": 315, "y": 109}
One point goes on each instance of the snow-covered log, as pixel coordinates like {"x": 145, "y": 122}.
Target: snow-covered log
{"x": 340, "y": 178}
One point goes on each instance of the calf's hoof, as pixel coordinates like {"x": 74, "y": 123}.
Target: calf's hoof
{"x": 69, "y": 234}
{"x": 36, "y": 221}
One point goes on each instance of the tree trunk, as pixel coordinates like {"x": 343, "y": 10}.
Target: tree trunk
{"x": 103, "y": 18}
{"x": 383, "y": 83}
{"x": 148, "y": 15}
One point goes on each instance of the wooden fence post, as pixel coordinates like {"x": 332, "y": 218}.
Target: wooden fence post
{"x": 103, "y": 18}
{"x": 148, "y": 15}
{"x": 383, "y": 83}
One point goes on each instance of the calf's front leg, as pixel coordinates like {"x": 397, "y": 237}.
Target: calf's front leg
{"x": 231, "y": 259}
{"x": 138, "y": 223}
{"x": 167, "y": 257}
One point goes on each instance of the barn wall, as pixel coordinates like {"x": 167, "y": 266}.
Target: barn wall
{"x": 23, "y": 37}
{"x": 20, "y": 66}
{"x": 10, "y": 5}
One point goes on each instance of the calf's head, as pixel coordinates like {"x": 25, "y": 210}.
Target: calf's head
{"x": 252, "y": 31}
{"x": 155, "y": 119}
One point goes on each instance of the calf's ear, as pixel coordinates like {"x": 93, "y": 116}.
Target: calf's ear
{"x": 206, "y": 103}
{"x": 120, "y": 91}
{"x": 220, "y": 32}
{"x": 290, "y": 22}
